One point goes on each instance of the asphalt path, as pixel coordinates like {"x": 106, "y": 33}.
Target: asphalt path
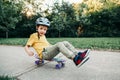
{"x": 102, "y": 65}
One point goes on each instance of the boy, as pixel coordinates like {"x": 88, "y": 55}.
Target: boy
{"x": 46, "y": 51}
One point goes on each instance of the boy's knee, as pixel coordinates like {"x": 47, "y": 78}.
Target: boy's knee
{"x": 65, "y": 42}
{"x": 59, "y": 44}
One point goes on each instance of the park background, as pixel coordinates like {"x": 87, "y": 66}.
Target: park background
{"x": 93, "y": 24}
{"x": 88, "y": 18}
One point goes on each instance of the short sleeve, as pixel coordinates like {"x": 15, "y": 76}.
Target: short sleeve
{"x": 30, "y": 40}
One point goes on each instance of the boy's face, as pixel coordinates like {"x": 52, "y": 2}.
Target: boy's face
{"x": 42, "y": 30}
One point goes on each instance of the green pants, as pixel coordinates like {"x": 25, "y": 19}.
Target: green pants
{"x": 64, "y": 47}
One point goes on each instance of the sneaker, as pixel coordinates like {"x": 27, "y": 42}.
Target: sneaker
{"x": 81, "y": 58}
{"x": 84, "y": 54}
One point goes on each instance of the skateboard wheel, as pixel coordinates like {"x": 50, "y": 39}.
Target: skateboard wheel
{"x": 63, "y": 64}
{"x": 58, "y": 66}
{"x": 37, "y": 62}
{"x": 42, "y": 61}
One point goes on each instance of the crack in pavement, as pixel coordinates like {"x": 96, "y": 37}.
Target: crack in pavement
{"x": 31, "y": 68}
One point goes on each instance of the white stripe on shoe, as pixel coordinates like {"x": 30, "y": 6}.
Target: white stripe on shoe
{"x": 88, "y": 51}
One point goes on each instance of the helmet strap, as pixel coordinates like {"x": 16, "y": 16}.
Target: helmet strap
{"x": 38, "y": 35}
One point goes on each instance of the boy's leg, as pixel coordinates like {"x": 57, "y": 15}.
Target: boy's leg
{"x": 50, "y": 52}
{"x": 70, "y": 47}
{"x": 53, "y": 50}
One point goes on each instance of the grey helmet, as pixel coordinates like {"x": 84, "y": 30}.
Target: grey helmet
{"x": 43, "y": 21}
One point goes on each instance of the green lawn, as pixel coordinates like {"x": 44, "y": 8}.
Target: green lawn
{"x": 7, "y": 78}
{"x": 82, "y": 43}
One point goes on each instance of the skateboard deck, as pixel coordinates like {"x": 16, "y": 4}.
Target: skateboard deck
{"x": 60, "y": 62}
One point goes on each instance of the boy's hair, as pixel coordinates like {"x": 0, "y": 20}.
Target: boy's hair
{"x": 43, "y": 21}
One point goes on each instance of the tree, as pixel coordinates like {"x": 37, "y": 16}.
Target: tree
{"x": 31, "y": 8}
{"x": 9, "y": 16}
{"x": 100, "y": 18}
{"x": 62, "y": 18}
{"x": 103, "y": 23}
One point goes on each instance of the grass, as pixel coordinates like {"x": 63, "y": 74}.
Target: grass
{"x": 82, "y": 43}
{"x": 92, "y": 43}
{"x": 7, "y": 78}
{"x": 13, "y": 41}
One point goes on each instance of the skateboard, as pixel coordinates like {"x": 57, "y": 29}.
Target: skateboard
{"x": 60, "y": 62}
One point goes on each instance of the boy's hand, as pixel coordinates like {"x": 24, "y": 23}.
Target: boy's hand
{"x": 30, "y": 53}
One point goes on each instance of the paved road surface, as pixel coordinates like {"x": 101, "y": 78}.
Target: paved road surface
{"x": 102, "y": 65}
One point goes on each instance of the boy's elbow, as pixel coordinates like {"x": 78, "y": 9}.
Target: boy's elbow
{"x": 28, "y": 51}
{"x": 26, "y": 47}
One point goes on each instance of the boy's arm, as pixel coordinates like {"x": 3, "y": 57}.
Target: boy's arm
{"x": 28, "y": 51}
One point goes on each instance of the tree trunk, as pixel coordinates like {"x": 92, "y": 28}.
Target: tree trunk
{"x": 6, "y": 34}
{"x": 59, "y": 34}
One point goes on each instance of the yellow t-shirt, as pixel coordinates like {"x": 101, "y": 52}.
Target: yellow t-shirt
{"x": 38, "y": 44}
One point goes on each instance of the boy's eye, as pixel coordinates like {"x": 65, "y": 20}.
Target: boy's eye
{"x": 45, "y": 29}
{"x": 41, "y": 28}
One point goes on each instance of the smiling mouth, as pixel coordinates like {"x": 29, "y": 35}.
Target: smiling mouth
{"x": 41, "y": 33}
